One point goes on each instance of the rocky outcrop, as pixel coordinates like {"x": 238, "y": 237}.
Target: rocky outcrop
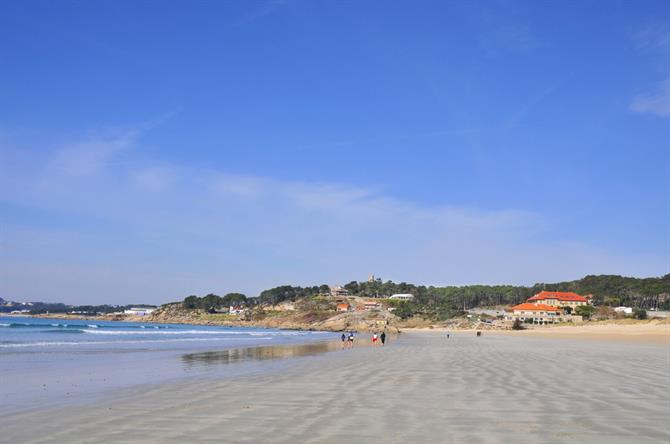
{"x": 363, "y": 320}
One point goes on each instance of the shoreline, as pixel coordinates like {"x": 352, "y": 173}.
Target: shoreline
{"x": 656, "y": 330}
{"x": 216, "y": 364}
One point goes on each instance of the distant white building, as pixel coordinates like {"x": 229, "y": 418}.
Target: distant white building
{"x": 372, "y": 305}
{"x": 338, "y": 291}
{"x": 403, "y": 296}
{"x": 236, "y": 310}
{"x": 139, "y": 311}
{"x": 624, "y": 310}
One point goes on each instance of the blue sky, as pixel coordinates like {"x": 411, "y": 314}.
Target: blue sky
{"x": 150, "y": 150}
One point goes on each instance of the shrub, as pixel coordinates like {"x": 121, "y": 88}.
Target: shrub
{"x": 640, "y": 313}
{"x": 518, "y": 325}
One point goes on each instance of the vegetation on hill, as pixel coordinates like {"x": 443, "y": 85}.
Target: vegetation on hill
{"x": 212, "y": 302}
{"x": 439, "y": 303}
{"x": 435, "y": 303}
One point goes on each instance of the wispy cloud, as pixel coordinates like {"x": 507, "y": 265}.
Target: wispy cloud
{"x": 156, "y": 178}
{"x": 656, "y": 103}
{"x": 90, "y": 156}
{"x": 506, "y": 39}
{"x": 144, "y": 230}
{"x": 261, "y": 9}
{"x": 654, "y": 40}
{"x": 654, "y": 37}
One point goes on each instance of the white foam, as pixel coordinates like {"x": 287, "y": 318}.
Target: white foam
{"x": 46, "y": 344}
{"x": 176, "y": 332}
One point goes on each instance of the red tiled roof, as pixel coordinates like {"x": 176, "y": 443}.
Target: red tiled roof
{"x": 534, "y": 307}
{"x": 560, "y": 295}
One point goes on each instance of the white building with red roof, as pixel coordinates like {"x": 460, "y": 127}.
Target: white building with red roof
{"x": 559, "y": 299}
{"x": 548, "y": 307}
{"x": 535, "y": 313}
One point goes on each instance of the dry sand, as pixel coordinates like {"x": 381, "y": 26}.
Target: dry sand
{"x": 615, "y": 330}
{"x": 421, "y": 388}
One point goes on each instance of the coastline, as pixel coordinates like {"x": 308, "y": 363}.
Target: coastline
{"x": 44, "y": 362}
{"x": 657, "y": 330}
{"x": 296, "y": 321}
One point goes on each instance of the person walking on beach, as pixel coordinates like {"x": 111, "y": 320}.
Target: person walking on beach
{"x": 351, "y": 339}
{"x": 383, "y": 337}
{"x": 374, "y": 339}
{"x": 344, "y": 339}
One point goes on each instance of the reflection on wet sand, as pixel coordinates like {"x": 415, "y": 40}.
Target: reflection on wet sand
{"x": 258, "y": 353}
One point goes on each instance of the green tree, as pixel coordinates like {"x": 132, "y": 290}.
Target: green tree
{"x": 585, "y": 311}
{"x": 233, "y": 299}
{"x": 352, "y": 287}
{"x": 191, "y": 302}
{"x": 211, "y": 302}
{"x": 404, "y": 310}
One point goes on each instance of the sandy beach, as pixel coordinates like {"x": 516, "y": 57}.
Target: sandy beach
{"x": 421, "y": 388}
{"x": 657, "y": 331}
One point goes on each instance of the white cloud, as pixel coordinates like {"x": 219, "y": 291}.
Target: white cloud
{"x": 238, "y": 185}
{"x": 153, "y": 233}
{"x": 656, "y": 103}
{"x": 654, "y": 37}
{"x": 89, "y": 157}
{"x": 155, "y": 178}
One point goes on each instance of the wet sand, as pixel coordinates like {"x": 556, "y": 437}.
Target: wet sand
{"x": 421, "y": 388}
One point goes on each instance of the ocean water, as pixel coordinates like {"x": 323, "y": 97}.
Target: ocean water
{"x": 47, "y": 362}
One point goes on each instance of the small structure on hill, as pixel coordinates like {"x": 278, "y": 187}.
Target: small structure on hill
{"x": 343, "y": 307}
{"x": 372, "y": 305}
{"x": 338, "y": 291}
{"x": 403, "y": 297}
{"x": 624, "y": 310}
{"x": 139, "y": 311}
{"x": 236, "y": 310}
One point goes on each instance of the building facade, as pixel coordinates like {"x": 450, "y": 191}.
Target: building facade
{"x": 338, "y": 291}
{"x": 560, "y": 299}
{"x": 531, "y": 313}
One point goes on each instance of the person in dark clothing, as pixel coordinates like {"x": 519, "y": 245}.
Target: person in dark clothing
{"x": 382, "y": 338}
{"x": 344, "y": 339}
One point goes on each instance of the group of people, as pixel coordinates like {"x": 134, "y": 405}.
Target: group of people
{"x": 348, "y": 339}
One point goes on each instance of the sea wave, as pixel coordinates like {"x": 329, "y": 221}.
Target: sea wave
{"x": 160, "y": 341}
{"x": 16, "y": 325}
{"x": 176, "y": 332}
{"x": 75, "y": 325}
